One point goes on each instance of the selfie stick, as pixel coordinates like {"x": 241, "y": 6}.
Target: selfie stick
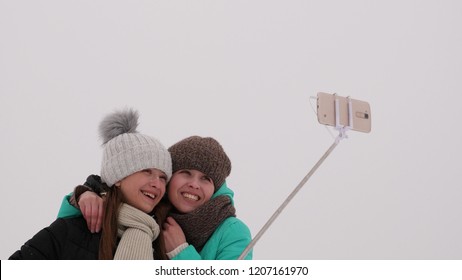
{"x": 342, "y": 135}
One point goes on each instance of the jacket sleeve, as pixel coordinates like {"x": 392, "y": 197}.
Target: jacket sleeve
{"x": 235, "y": 239}
{"x": 45, "y": 245}
{"x": 189, "y": 253}
{"x": 93, "y": 183}
{"x": 230, "y": 240}
{"x": 67, "y": 210}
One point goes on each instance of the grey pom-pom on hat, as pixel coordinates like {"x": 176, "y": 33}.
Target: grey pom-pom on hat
{"x": 204, "y": 154}
{"x": 127, "y": 151}
{"x": 118, "y": 123}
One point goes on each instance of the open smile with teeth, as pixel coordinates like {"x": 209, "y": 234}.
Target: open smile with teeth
{"x": 190, "y": 196}
{"x": 153, "y": 196}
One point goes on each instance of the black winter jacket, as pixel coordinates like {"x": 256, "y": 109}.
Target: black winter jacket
{"x": 64, "y": 239}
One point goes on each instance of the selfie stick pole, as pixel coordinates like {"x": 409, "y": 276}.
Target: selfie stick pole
{"x": 342, "y": 135}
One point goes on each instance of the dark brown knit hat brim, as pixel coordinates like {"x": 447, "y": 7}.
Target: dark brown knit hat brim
{"x": 204, "y": 154}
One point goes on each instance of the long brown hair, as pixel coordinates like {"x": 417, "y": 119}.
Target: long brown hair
{"x": 161, "y": 213}
{"x": 108, "y": 242}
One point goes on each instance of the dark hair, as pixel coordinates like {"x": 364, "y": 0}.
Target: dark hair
{"x": 161, "y": 213}
{"x": 108, "y": 242}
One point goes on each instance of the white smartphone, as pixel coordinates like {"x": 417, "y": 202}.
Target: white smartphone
{"x": 361, "y": 112}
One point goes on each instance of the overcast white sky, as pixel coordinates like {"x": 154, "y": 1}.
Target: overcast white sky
{"x": 243, "y": 72}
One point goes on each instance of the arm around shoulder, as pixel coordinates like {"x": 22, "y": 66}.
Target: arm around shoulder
{"x": 67, "y": 210}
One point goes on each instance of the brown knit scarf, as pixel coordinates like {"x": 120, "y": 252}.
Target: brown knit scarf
{"x": 200, "y": 224}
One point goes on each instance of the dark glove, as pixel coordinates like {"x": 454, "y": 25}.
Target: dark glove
{"x": 95, "y": 184}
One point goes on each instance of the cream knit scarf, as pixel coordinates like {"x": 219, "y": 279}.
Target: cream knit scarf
{"x": 137, "y": 230}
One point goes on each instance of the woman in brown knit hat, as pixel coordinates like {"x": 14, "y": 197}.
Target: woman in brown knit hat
{"x": 201, "y": 222}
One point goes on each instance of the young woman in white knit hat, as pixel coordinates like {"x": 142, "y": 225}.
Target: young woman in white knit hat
{"x": 136, "y": 169}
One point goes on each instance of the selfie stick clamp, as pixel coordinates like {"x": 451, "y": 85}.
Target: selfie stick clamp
{"x": 342, "y": 135}
{"x": 343, "y": 129}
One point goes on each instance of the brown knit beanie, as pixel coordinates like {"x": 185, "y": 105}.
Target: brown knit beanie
{"x": 204, "y": 154}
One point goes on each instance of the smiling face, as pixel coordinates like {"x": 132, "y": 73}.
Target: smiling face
{"x": 143, "y": 189}
{"x": 189, "y": 189}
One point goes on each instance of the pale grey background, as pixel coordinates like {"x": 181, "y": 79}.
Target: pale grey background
{"x": 243, "y": 72}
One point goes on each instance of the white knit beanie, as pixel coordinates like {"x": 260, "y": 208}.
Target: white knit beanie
{"x": 126, "y": 151}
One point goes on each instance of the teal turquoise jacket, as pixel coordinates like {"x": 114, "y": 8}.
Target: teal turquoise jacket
{"x": 227, "y": 242}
